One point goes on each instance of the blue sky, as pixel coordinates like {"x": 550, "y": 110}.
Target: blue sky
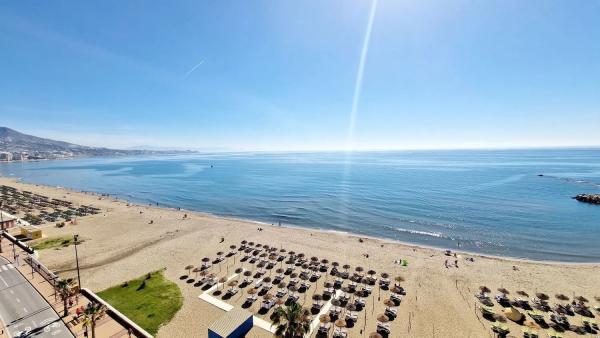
{"x": 281, "y": 75}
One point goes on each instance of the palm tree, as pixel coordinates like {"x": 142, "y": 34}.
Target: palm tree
{"x": 91, "y": 314}
{"x": 292, "y": 321}
{"x": 64, "y": 289}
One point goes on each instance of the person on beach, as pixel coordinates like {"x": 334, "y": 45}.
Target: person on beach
{"x": 456, "y": 263}
{"x": 446, "y": 264}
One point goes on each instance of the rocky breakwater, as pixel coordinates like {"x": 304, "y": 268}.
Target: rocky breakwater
{"x": 588, "y": 198}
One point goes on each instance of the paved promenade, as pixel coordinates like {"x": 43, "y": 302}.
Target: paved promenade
{"x": 34, "y": 292}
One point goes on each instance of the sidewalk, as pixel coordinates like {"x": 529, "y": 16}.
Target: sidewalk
{"x": 106, "y": 327}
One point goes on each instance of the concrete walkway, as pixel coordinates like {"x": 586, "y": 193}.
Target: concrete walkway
{"x": 205, "y": 296}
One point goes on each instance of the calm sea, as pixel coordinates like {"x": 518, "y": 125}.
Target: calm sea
{"x": 490, "y": 202}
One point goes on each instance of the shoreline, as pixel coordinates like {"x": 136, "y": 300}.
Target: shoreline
{"x": 309, "y": 229}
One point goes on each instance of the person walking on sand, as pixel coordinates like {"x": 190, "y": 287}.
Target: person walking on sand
{"x": 456, "y": 263}
{"x": 446, "y": 264}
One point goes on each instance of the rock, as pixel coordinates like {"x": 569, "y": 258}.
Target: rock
{"x": 588, "y": 198}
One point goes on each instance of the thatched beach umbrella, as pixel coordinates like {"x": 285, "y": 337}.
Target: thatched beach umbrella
{"x": 205, "y": 260}
{"x": 582, "y": 299}
{"x": 324, "y": 318}
{"x": 375, "y": 335}
{"x": 266, "y": 247}
{"x": 327, "y": 285}
{"x": 522, "y": 293}
{"x": 324, "y": 261}
{"x": 268, "y": 296}
{"x": 196, "y": 270}
{"x": 188, "y": 268}
{"x": 385, "y": 275}
{"x": 359, "y": 269}
{"x": 561, "y": 296}
{"x": 336, "y": 302}
{"x": 340, "y": 323}
{"x": 597, "y": 298}
{"x": 279, "y": 270}
{"x": 317, "y": 297}
{"x": 389, "y": 302}
{"x": 239, "y": 270}
{"x": 251, "y": 243}
{"x": 267, "y": 280}
{"x": 314, "y": 259}
{"x": 233, "y": 283}
{"x": 542, "y": 296}
{"x": 282, "y": 285}
{"x": 336, "y": 264}
{"x": 292, "y": 253}
{"x": 301, "y": 255}
{"x": 280, "y": 301}
{"x": 282, "y": 250}
{"x": 371, "y": 273}
{"x": 244, "y": 242}
{"x": 247, "y": 273}
{"x": 484, "y": 289}
{"x": 351, "y": 307}
{"x": 399, "y": 279}
{"x": 503, "y": 291}
{"x": 383, "y": 318}
{"x": 346, "y": 266}
{"x": 220, "y": 253}
{"x": 293, "y": 275}
{"x": 252, "y": 291}
{"x": 258, "y": 245}
{"x": 204, "y": 273}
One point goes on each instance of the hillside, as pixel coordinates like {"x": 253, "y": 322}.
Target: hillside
{"x": 14, "y": 142}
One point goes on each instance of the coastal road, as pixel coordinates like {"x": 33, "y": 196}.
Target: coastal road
{"x": 23, "y": 311}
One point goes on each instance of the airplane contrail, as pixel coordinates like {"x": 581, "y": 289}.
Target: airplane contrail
{"x": 193, "y": 69}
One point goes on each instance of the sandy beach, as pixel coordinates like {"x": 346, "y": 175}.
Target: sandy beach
{"x": 125, "y": 241}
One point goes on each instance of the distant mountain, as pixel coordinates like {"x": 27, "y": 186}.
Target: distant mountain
{"x": 15, "y": 142}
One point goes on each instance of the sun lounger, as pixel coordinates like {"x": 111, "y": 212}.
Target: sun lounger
{"x": 359, "y": 302}
{"x": 553, "y": 334}
{"x": 267, "y": 287}
{"x": 328, "y": 292}
{"x": 251, "y": 299}
{"x": 500, "y": 328}
{"x": 486, "y": 310}
{"x": 258, "y": 283}
{"x": 529, "y": 333}
{"x": 211, "y": 282}
{"x": 351, "y": 316}
{"x": 392, "y": 313}
{"x": 383, "y": 328}
{"x": 324, "y": 328}
{"x": 292, "y": 298}
{"x": 384, "y": 282}
{"x": 232, "y": 291}
{"x": 281, "y": 293}
{"x": 305, "y": 286}
{"x": 396, "y": 297}
{"x": 267, "y": 304}
{"x": 339, "y": 333}
{"x": 317, "y": 306}
{"x": 315, "y": 276}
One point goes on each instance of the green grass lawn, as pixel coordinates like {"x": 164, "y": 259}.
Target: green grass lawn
{"x": 54, "y": 243}
{"x": 148, "y": 304}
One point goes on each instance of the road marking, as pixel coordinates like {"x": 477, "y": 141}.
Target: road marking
{"x": 24, "y": 309}
{"x": 11, "y": 292}
{"x": 18, "y": 300}
{"x": 5, "y": 283}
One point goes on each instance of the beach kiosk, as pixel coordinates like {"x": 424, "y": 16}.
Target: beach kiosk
{"x": 31, "y": 232}
{"x": 233, "y": 324}
{"x": 7, "y": 220}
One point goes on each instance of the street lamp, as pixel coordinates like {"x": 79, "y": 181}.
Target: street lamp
{"x": 75, "y": 238}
